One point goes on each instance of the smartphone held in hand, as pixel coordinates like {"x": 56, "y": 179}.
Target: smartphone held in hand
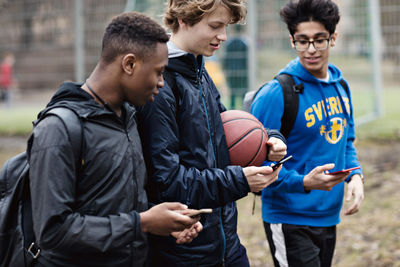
{"x": 279, "y": 163}
{"x": 194, "y": 213}
{"x": 343, "y": 171}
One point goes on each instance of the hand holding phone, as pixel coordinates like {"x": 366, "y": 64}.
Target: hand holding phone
{"x": 194, "y": 213}
{"x": 279, "y": 163}
{"x": 343, "y": 171}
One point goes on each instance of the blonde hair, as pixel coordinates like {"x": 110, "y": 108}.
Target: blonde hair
{"x": 192, "y": 11}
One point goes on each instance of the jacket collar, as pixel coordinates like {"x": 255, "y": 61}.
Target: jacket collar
{"x": 187, "y": 65}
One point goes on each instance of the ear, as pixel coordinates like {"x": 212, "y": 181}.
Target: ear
{"x": 333, "y": 39}
{"x": 291, "y": 41}
{"x": 182, "y": 24}
{"x": 128, "y": 63}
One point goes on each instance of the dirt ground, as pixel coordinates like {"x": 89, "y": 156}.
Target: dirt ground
{"x": 369, "y": 238}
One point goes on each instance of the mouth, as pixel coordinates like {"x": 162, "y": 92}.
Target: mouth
{"x": 215, "y": 46}
{"x": 312, "y": 60}
{"x": 154, "y": 94}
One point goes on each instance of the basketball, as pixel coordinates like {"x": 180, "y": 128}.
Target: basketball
{"x": 246, "y": 138}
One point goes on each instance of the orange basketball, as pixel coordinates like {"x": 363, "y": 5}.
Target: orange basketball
{"x": 246, "y": 138}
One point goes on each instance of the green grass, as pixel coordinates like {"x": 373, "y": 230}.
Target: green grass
{"x": 17, "y": 121}
{"x": 357, "y": 70}
{"x": 388, "y": 126}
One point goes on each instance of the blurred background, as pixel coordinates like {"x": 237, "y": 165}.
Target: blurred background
{"x": 46, "y": 42}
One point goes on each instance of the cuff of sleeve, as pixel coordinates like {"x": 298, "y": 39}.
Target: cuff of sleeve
{"x": 298, "y": 184}
{"x": 244, "y": 180}
{"x": 276, "y": 134}
{"x": 137, "y": 227}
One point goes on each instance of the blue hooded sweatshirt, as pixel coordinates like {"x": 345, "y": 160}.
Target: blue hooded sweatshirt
{"x": 322, "y": 133}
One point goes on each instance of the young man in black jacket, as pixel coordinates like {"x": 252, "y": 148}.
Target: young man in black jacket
{"x": 184, "y": 140}
{"x": 100, "y": 216}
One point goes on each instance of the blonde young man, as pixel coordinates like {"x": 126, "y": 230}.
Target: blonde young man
{"x": 184, "y": 140}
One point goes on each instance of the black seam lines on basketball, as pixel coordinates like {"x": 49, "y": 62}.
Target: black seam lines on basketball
{"x": 258, "y": 150}
{"x": 258, "y": 122}
{"x": 259, "y": 146}
{"x": 241, "y": 138}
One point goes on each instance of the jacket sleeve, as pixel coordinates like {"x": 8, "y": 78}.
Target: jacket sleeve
{"x": 276, "y": 134}
{"x": 268, "y": 108}
{"x": 169, "y": 178}
{"x": 57, "y": 225}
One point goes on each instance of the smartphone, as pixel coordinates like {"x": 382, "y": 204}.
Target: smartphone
{"x": 346, "y": 170}
{"x": 279, "y": 163}
{"x": 195, "y": 213}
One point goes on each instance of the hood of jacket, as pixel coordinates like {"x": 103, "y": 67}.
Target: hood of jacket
{"x": 296, "y": 69}
{"x": 71, "y": 95}
{"x": 302, "y": 75}
{"x": 185, "y": 63}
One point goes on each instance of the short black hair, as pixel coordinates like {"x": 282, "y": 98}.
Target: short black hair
{"x": 131, "y": 32}
{"x": 325, "y": 12}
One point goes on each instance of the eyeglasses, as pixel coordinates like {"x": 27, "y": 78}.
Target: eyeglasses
{"x": 319, "y": 44}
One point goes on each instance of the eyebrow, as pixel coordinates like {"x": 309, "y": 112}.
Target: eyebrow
{"x": 216, "y": 22}
{"x": 318, "y": 34}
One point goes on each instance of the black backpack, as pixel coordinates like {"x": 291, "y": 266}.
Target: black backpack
{"x": 17, "y": 241}
{"x": 290, "y": 98}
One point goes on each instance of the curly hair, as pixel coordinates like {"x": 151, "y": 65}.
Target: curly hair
{"x": 192, "y": 11}
{"x": 325, "y": 12}
{"x": 131, "y": 32}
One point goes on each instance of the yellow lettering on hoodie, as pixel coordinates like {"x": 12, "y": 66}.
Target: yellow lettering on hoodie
{"x": 339, "y": 104}
{"x": 318, "y": 110}
{"x": 323, "y": 105}
{"x": 310, "y": 118}
{"x": 333, "y": 104}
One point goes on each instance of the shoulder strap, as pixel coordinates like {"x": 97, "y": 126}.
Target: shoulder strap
{"x": 344, "y": 85}
{"x": 73, "y": 124}
{"x": 291, "y": 102}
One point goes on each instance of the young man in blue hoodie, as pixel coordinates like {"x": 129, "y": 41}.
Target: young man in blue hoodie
{"x": 301, "y": 209}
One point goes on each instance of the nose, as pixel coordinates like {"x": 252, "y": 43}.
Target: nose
{"x": 160, "y": 82}
{"x": 222, "y": 35}
{"x": 311, "y": 47}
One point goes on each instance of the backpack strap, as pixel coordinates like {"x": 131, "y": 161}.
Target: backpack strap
{"x": 291, "y": 102}
{"x": 74, "y": 127}
{"x": 345, "y": 87}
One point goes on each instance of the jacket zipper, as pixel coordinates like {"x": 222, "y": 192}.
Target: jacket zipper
{"x": 135, "y": 185}
{"x": 203, "y": 99}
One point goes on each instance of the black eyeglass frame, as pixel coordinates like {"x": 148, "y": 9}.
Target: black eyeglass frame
{"x": 312, "y": 42}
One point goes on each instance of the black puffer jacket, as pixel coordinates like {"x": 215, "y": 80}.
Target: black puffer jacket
{"x": 188, "y": 161}
{"x": 90, "y": 220}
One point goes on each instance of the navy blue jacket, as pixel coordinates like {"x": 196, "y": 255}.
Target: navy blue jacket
{"x": 188, "y": 161}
